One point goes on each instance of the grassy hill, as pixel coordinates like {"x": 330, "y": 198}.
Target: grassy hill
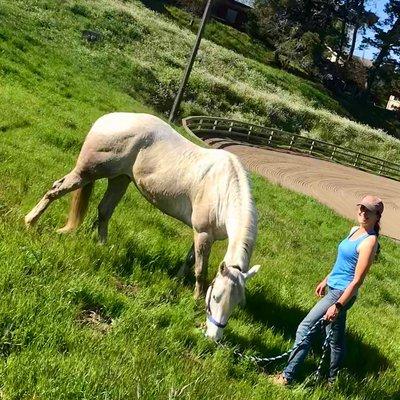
{"x": 83, "y": 321}
{"x": 141, "y": 53}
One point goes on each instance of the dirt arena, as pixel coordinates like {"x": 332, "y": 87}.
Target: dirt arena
{"x": 337, "y": 186}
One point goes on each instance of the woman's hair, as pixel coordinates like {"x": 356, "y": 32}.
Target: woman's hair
{"x": 377, "y": 228}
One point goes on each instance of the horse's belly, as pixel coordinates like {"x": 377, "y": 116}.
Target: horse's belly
{"x": 174, "y": 204}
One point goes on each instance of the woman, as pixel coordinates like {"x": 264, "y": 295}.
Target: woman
{"x": 355, "y": 256}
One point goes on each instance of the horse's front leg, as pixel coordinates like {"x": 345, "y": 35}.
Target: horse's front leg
{"x": 202, "y": 245}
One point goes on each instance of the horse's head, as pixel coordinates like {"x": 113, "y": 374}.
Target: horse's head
{"x": 225, "y": 292}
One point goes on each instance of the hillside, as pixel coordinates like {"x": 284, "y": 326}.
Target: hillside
{"x": 141, "y": 53}
{"x": 84, "y": 321}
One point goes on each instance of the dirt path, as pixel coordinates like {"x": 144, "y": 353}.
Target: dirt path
{"x": 334, "y": 185}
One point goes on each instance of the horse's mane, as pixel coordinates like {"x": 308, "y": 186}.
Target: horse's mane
{"x": 241, "y": 199}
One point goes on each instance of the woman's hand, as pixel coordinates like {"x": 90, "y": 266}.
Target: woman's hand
{"x": 331, "y": 313}
{"x": 320, "y": 289}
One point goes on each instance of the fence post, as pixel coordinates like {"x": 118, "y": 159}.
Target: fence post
{"x": 230, "y": 126}
{"x": 250, "y": 129}
{"x": 292, "y": 142}
{"x": 356, "y": 160}
{"x": 215, "y": 124}
{"x": 333, "y": 153}
{"x": 311, "y": 148}
{"x": 380, "y": 168}
{"x": 270, "y": 137}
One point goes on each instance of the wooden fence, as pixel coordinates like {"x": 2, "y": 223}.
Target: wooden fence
{"x": 203, "y": 127}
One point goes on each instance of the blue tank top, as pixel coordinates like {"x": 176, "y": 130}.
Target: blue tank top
{"x": 345, "y": 265}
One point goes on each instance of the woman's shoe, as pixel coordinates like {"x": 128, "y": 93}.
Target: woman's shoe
{"x": 280, "y": 380}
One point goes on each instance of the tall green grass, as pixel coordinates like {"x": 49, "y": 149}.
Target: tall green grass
{"x": 84, "y": 321}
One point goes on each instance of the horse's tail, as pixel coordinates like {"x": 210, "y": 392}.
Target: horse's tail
{"x": 78, "y": 208}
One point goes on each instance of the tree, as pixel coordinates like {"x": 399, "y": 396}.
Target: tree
{"x": 296, "y": 28}
{"x": 362, "y": 20}
{"x": 344, "y": 15}
{"x": 359, "y": 18}
{"x": 387, "y": 42}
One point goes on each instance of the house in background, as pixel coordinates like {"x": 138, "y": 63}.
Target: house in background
{"x": 233, "y": 12}
{"x": 393, "y": 103}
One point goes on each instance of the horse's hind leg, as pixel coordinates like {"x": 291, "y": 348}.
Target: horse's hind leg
{"x": 189, "y": 262}
{"x": 70, "y": 182}
{"x": 115, "y": 190}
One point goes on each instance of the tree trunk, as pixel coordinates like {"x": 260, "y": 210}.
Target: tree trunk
{"x": 342, "y": 40}
{"x": 353, "y": 42}
{"x": 357, "y": 23}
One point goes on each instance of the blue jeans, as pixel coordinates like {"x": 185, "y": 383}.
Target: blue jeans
{"x": 337, "y": 342}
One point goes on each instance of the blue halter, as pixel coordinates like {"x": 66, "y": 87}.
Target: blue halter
{"x": 209, "y": 314}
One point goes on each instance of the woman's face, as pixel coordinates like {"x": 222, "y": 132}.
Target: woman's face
{"x": 366, "y": 217}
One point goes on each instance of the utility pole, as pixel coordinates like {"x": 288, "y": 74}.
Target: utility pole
{"x": 190, "y": 63}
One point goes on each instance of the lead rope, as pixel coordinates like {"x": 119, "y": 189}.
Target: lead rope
{"x": 317, "y": 374}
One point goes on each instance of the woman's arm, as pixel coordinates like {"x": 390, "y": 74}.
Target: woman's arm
{"x": 365, "y": 258}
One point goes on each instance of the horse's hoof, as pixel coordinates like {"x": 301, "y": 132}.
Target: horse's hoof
{"x": 198, "y": 294}
{"x": 64, "y": 230}
{"x": 29, "y": 221}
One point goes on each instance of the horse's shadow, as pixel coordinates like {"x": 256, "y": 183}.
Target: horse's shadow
{"x": 286, "y": 319}
{"x": 135, "y": 254}
{"x": 361, "y": 359}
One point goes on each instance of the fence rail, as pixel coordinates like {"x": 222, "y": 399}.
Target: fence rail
{"x": 203, "y": 126}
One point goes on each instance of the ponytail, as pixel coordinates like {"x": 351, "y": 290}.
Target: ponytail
{"x": 377, "y": 228}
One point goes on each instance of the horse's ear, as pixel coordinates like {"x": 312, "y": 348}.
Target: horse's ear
{"x": 251, "y": 272}
{"x": 222, "y": 268}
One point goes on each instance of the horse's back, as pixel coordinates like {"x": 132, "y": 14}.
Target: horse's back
{"x": 129, "y": 124}
{"x": 115, "y": 140}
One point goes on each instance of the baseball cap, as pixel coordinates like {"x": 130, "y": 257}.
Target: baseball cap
{"x": 372, "y": 203}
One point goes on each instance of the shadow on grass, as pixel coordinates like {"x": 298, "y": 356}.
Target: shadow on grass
{"x": 286, "y": 319}
{"x": 156, "y": 5}
{"x": 367, "y": 113}
{"x": 158, "y": 260}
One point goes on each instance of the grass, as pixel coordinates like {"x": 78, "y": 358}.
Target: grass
{"x": 377, "y": 117}
{"x": 84, "y": 321}
{"x": 141, "y": 53}
{"x": 222, "y": 35}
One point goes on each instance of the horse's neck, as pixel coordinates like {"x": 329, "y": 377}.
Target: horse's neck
{"x": 241, "y": 223}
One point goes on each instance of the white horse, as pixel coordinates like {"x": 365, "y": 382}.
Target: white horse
{"x": 206, "y": 189}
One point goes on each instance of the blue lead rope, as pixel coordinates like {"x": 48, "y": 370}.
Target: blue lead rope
{"x": 320, "y": 323}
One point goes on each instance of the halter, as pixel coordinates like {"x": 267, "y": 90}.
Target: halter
{"x": 209, "y": 314}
